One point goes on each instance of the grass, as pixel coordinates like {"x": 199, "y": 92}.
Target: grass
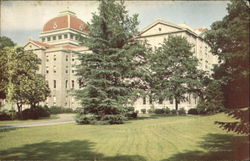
{"x": 26, "y": 121}
{"x": 155, "y": 138}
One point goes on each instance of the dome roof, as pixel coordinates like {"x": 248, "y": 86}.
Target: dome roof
{"x": 66, "y": 19}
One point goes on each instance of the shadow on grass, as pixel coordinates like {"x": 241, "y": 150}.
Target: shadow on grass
{"x": 73, "y": 150}
{"x": 218, "y": 147}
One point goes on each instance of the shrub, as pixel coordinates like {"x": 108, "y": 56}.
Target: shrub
{"x": 114, "y": 119}
{"x": 150, "y": 111}
{"x": 182, "y": 111}
{"x": 159, "y": 111}
{"x": 173, "y": 111}
{"x": 193, "y": 111}
{"x": 143, "y": 110}
{"x": 167, "y": 110}
{"x": 131, "y": 115}
{"x": 85, "y": 119}
{"x": 58, "y": 110}
{"x": 5, "y": 115}
{"x": 35, "y": 112}
{"x": 162, "y": 111}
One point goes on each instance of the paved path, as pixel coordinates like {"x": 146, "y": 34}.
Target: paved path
{"x": 63, "y": 118}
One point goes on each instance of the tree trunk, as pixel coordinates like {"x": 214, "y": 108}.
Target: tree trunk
{"x": 19, "y": 107}
{"x": 176, "y": 106}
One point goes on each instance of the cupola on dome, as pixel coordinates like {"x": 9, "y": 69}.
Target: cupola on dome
{"x": 66, "y": 19}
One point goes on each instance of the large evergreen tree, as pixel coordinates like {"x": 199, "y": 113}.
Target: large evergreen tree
{"x": 174, "y": 70}
{"x": 111, "y": 72}
{"x": 229, "y": 40}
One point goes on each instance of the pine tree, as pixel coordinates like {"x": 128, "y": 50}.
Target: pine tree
{"x": 174, "y": 70}
{"x": 111, "y": 71}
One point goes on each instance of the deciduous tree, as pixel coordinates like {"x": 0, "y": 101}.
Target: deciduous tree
{"x": 174, "y": 70}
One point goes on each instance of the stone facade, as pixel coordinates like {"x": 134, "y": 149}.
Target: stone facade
{"x": 59, "y": 47}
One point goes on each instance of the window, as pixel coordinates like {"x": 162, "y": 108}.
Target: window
{"x": 54, "y": 37}
{"x": 160, "y": 100}
{"x": 54, "y": 57}
{"x": 80, "y": 83}
{"x": 67, "y": 57}
{"x": 150, "y": 100}
{"x": 65, "y": 36}
{"x": 171, "y": 101}
{"x": 60, "y": 37}
{"x": 71, "y": 36}
{"x": 144, "y": 100}
{"x": 73, "y": 59}
{"x": 73, "y": 71}
{"x": 48, "y": 38}
{"x": 47, "y": 71}
{"x": 73, "y": 83}
{"x": 66, "y": 71}
{"x": 54, "y": 69}
{"x": 54, "y": 83}
{"x": 43, "y": 39}
{"x": 159, "y": 29}
{"x": 66, "y": 84}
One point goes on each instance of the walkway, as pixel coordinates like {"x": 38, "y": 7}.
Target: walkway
{"x": 63, "y": 118}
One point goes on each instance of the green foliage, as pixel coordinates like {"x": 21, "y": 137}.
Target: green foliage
{"x": 241, "y": 126}
{"x": 111, "y": 72}
{"x": 58, "y": 110}
{"x": 35, "y": 112}
{"x": 182, "y": 111}
{"x": 213, "y": 98}
{"x": 85, "y": 119}
{"x": 114, "y": 119}
{"x": 6, "y": 42}
{"x": 18, "y": 79}
{"x": 174, "y": 70}
{"x": 143, "y": 110}
{"x": 193, "y": 111}
{"x": 7, "y": 115}
{"x": 32, "y": 90}
{"x": 229, "y": 39}
{"x": 162, "y": 110}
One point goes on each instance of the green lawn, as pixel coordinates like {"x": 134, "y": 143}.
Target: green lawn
{"x": 157, "y": 138}
{"x": 26, "y": 121}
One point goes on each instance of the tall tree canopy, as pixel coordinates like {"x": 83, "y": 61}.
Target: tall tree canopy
{"x": 6, "y": 42}
{"x": 229, "y": 39}
{"x": 18, "y": 79}
{"x": 174, "y": 70}
{"x": 112, "y": 70}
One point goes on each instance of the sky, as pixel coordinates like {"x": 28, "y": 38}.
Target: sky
{"x": 21, "y": 20}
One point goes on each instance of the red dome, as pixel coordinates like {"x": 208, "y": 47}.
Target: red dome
{"x": 66, "y": 21}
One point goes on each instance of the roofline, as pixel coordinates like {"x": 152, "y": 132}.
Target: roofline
{"x": 166, "y": 33}
{"x": 162, "y": 22}
{"x": 61, "y": 29}
{"x": 32, "y": 42}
